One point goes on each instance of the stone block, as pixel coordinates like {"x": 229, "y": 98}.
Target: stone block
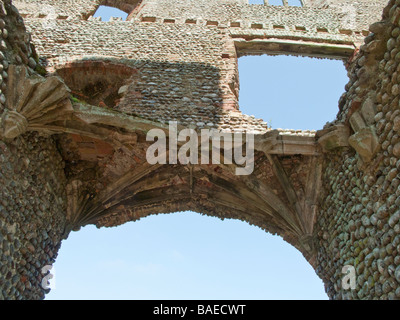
{"x": 357, "y": 122}
{"x": 334, "y": 137}
{"x": 368, "y": 111}
{"x": 365, "y": 142}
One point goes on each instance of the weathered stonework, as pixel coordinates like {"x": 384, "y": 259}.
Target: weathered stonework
{"x": 78, "y": 96}
{"x": 358, "y": 222}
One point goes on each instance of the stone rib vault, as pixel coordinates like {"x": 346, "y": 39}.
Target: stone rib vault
{"x": 78, "y": 96}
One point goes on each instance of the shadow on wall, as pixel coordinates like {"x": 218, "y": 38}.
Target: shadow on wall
{"x": 160, "y": 91}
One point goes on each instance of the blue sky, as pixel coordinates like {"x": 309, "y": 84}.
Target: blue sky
{"x": 191, "y": 256}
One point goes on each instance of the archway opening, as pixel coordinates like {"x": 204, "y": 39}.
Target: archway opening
{"x": 291, "y": 92}
{"x": 181, "y": 256}
{"x": 106, "y": 13}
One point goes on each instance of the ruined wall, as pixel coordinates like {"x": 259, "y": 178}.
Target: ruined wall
{"x": 32, "y": 214}
{"x": 311, "y": 19}
{"x": 32, "y": 198}
{"x": 184, "y": 56}
{"x": 185, "y": 73}
{"x": 59, "y": 9}
{"x": 359, "y": 221}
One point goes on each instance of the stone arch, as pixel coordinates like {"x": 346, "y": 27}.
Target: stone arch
{"x": 127, "y": 6}
{"x": 121, "y": 191}
{"x": 111, "y": 182}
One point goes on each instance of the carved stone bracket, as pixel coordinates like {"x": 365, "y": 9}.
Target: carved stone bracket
{"x": 278, "y": 142}
{"x": 333, "y": 137}
{"x": 267, "y": 141}
{"x": 32, "y": 102}
{"x": 364, "y": 140}
{"x": 14, "y": 124}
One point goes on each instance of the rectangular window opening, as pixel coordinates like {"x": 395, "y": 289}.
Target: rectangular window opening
{"x": 265, "y": 81}
{"x": 212, "y": 23}
{"x": 322, "y": 30}
{"x": 148, "y": 19}
{"x": 346, "y": 32}
{"x": 300, "y": 28}
{"x": 256, "y": 26}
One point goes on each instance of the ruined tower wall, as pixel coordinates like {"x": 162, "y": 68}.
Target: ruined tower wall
{"x": 32, "y": 214}
{"x": 197, "y": 41}
{"x": 184, "y": 73}
{"x": 359, "y": 220}
{"x": 32, "y": 179}
{"x": 183, "y": 56}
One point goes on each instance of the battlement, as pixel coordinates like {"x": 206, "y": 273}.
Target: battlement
{"x": 336, "y": 27}
{"x": 353, "y": 16}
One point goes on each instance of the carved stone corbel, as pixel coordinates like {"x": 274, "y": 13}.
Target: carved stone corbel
{"x": 364, "y": 140}
{"x": 32, "y": 102}
{"x": 14, "y": 124}
{"x": 266, "y": 141}
{"x": 333, "y": 137}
